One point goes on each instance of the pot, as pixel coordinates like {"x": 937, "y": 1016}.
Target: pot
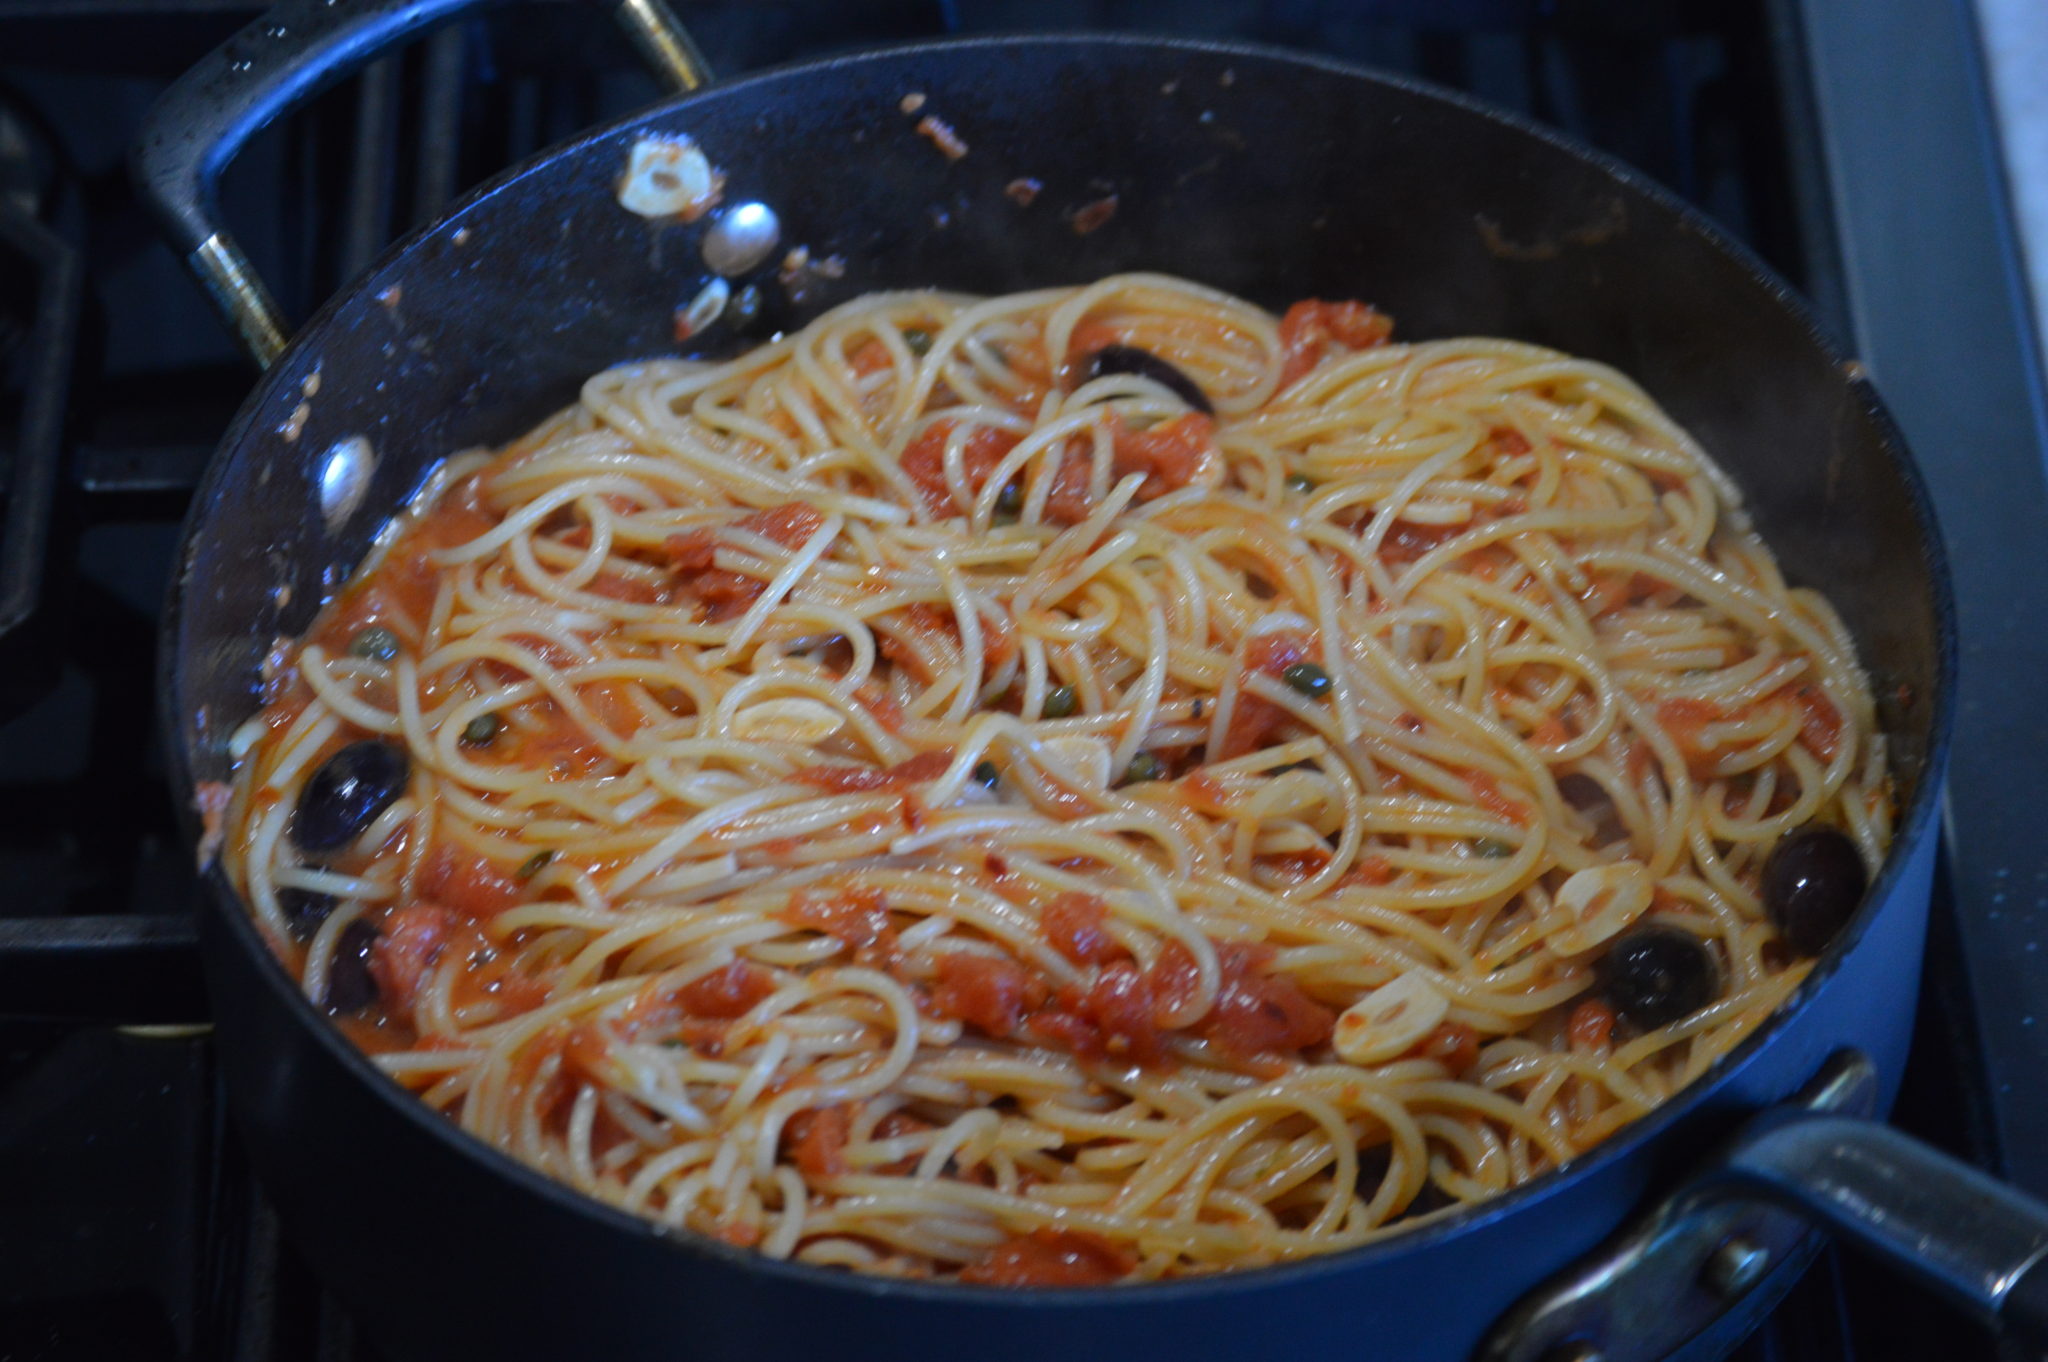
{"x": 1270, "y": 175}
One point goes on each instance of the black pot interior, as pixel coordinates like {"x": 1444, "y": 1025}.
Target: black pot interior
{"x": 1273, "y": 178}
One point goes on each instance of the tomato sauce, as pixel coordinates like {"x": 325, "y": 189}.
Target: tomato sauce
{"x": 1168, "y": 454}
{"x": 815, "y": 1140}
{"x": 1454, "y": 1045}
{"x": 728, "y": 992}
{"x": 1048, "y": 1257}
{"x": 469, "y": 883}
{"x": 726, "y": 594}
{"x": 405, "y": 953}
{"x": 991, "y": 994}
{"x": 924, "y": 767}
{"x": 1254, "y": 720}
{"x": 1312, "y": 327}
{"x": 857, "y": 917}
{"x": 924, "y": 462}
{"x": 1591, "y": 1026}
{"x": 1073, "y": 924}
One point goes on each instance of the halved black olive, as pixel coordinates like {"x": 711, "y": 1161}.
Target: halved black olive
{"x": 348, "y": 792}
{"x": 1129, "y": 359}
{"x": 350, "y": 986}
{"x": 304, "y": 910}
{"x": 1813, "y": 881}
{"x": 1655, "y": 975}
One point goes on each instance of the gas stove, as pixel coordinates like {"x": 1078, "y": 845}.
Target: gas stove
{"x": 1849, "y": 145}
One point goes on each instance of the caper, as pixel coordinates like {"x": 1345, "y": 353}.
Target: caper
{"x": 918, "y": 339}
{"x": 1010, "y": 501}
{"x": 533, "y": 865}
{"x": 987, "y": 774}
{"x": 1300, "y": 482}
{"x": 1307, "y": 678}
{"x": 1492, "y": 848}
{"x": 376, "y": 643}
{"x": 1060, "y": 701}
{"x": 1145, "y": 766}
{"x": 482, "y": 730}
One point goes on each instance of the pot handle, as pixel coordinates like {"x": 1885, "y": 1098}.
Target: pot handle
{"x": 1710, "y": 1250}
{"x": 1977, "y": 1241}
{"x": 297, "y": 49}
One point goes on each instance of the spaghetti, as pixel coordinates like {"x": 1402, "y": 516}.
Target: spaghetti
{"x": 1085, "y": 785}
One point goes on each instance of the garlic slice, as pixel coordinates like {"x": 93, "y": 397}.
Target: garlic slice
{"x": 1430, "y": 511}
{"x": 1390, "y": 1020}
{"x": 668, "y": 177}
{"x": 1598, "y": 902}
{"x": 1080, "y": 761}
{"x": 793, "y": 719}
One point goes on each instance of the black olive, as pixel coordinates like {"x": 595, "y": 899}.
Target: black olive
{"x": 304, "y": 910}
{"x": 1813, "y": 882}
{"x": 1430, "y": 1198}
{"x": 350, "y": 987}
{"x": 348, "y": 792}
{"x": 1129, "y": 359}
{"x": 1581, "y": 791}
{"x": 1655, "y": 975}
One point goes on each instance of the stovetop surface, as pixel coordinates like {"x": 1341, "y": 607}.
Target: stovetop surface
{"x": 128, "y": 1226}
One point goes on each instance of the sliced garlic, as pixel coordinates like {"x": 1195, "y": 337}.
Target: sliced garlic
{"x": 1429, "y": 511}
{"x": 1080, "y": 761}
{"x": 1597, "y": 902}
{"x": 704, "y": 309}
{"x": 668, "y": 177}
{"x": 1390, "y": 1020}
{"x": 793, "y": 719}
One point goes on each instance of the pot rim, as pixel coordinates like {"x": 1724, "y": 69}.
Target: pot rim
{"x": 1918, "y": 820}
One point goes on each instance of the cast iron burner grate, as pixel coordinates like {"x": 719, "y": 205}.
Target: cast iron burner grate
{"x": 129, "y": 1226}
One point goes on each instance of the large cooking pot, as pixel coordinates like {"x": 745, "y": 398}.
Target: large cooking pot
{"x": 1271, "y": 175}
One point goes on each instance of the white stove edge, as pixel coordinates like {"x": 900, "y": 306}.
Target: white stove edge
{"x": 2015, "y": 38}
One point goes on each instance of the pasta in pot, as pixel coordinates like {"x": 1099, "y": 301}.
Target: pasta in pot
{"x": 1086, "y": 785}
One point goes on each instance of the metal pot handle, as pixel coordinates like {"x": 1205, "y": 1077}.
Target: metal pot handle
{"x": 1702, "y": 1251}
{"x": 297, "y": 49}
